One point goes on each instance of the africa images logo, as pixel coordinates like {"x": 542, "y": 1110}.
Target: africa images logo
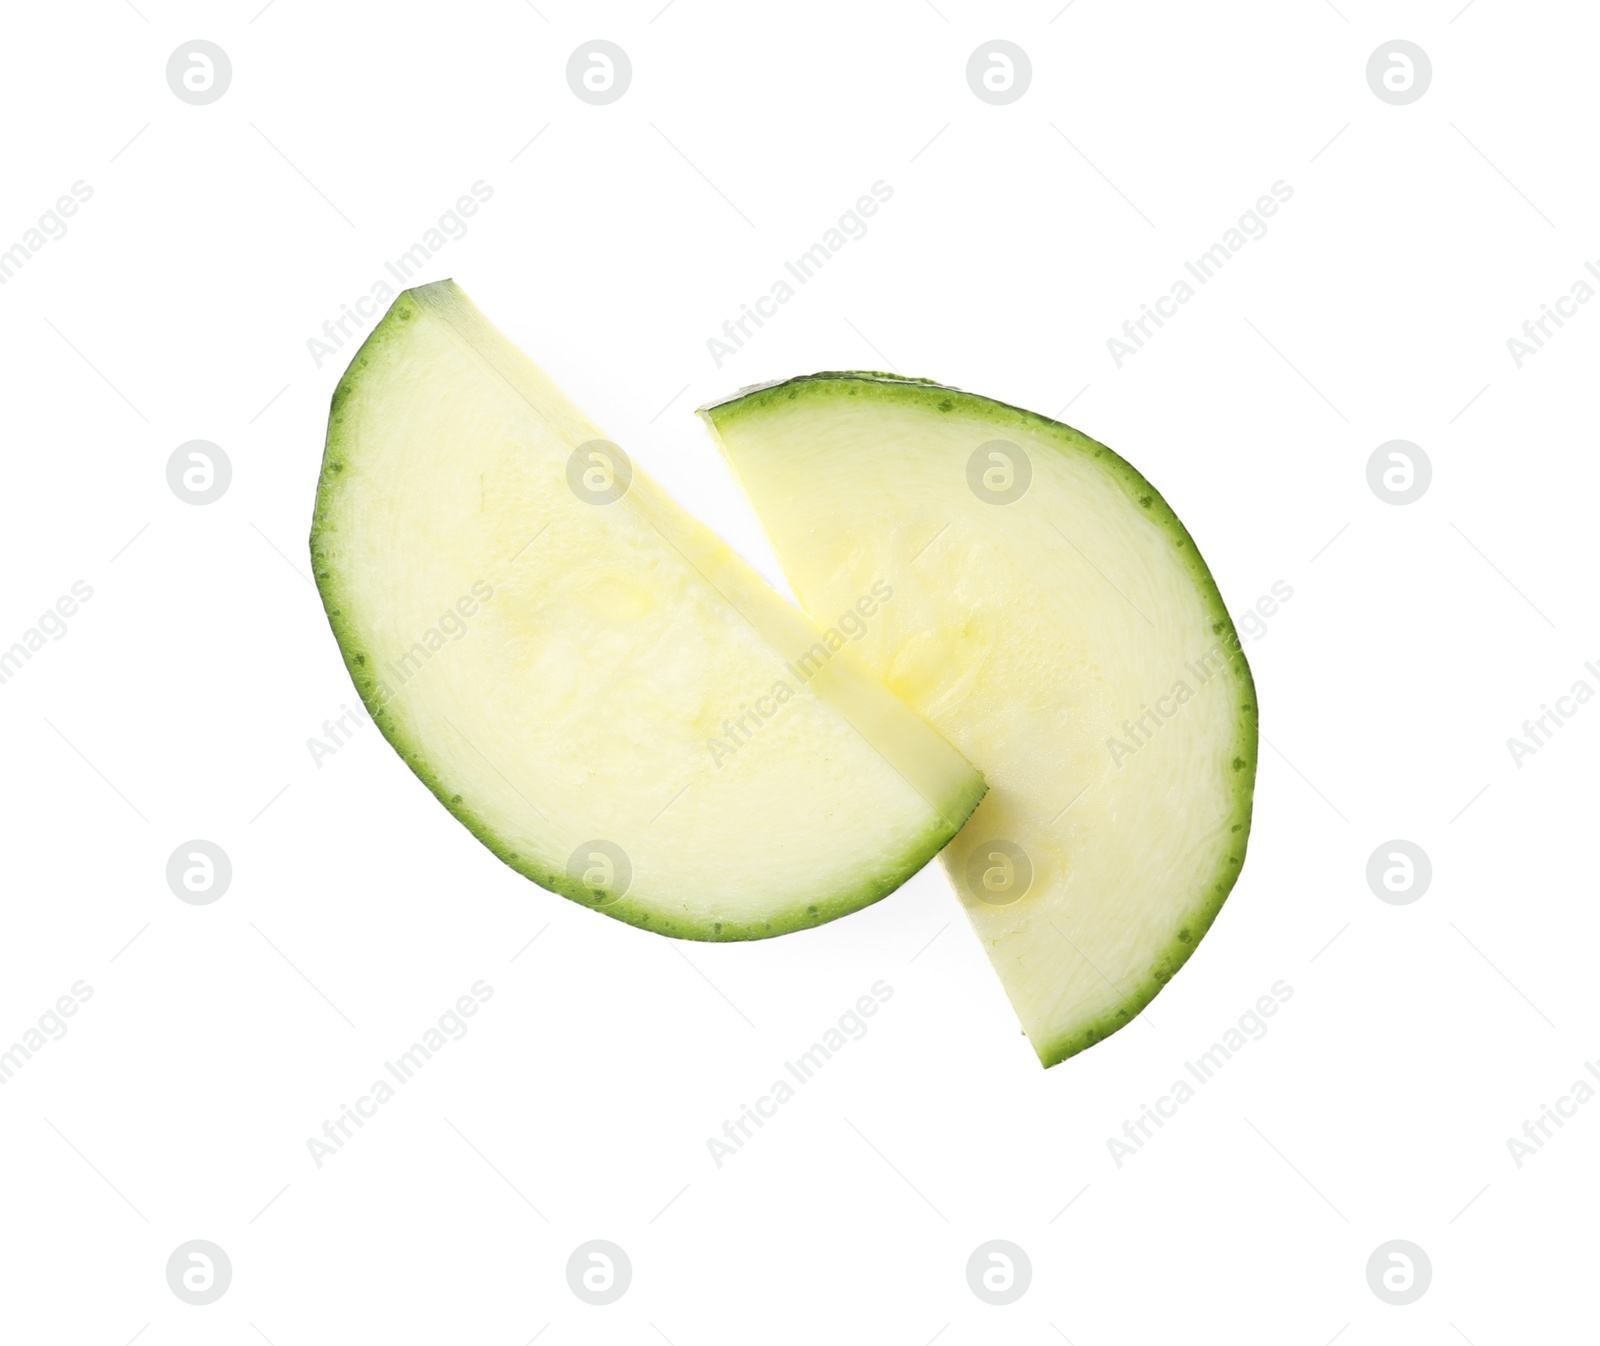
{"x": 850, "y": 627}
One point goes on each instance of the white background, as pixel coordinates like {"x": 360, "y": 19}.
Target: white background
{"x": 179, "y": 703}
